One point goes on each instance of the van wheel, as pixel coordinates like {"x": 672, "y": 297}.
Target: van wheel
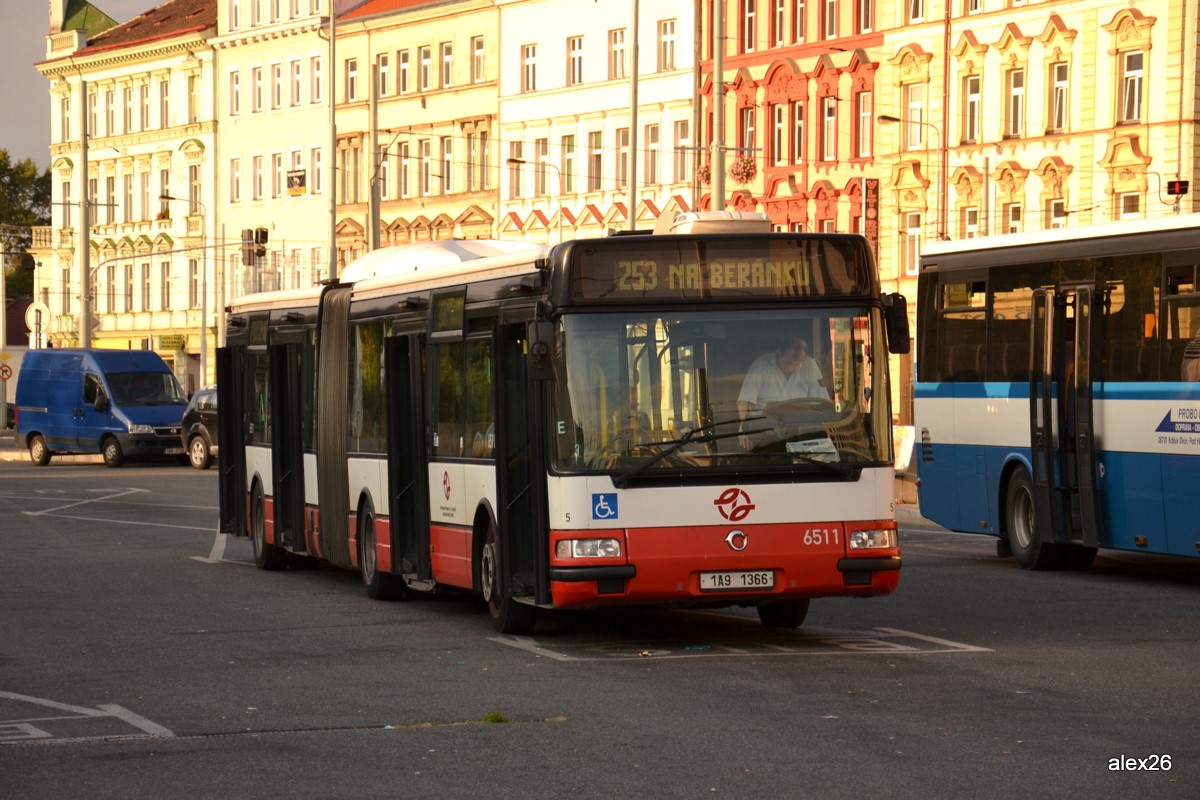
{"x": 198, "y": 452}
{"x": 38, "y": 452}
{"x": 110, "y": 448}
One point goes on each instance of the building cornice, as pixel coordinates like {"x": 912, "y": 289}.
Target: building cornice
{"x": 78, "y": 65}
{"x": 260, "y": 35}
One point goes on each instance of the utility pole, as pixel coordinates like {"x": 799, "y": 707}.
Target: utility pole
{"x": 716, "y": 164}
{"x": 84, "y": 239}
{"x": 331, "y": 166}
{"x": 633, "y": 123}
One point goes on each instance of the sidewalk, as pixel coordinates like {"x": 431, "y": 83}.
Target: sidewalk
{"x": 9, "y": 451}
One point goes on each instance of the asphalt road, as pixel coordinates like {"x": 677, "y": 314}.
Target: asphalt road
{"x": 142, "y": 655}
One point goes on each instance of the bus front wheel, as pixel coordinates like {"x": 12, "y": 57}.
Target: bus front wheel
{"x": 508, "y": 616}
{"x": 1021, "y": 527}
{"x": 783, "y": 613}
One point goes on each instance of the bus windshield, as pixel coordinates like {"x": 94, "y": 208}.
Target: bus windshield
{"x": 654, "y": 392}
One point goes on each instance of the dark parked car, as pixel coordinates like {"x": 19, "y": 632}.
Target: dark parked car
{"x": 200, "y": 428}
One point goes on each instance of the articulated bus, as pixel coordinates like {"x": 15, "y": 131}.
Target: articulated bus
{"x": 559, "y": 427}
{"x": 1057, "y": 404}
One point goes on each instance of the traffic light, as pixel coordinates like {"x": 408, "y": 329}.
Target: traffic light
{"x": 260, "y": 242}
{"x": 247, "y": 247}
{"x": 1177, "y": 187}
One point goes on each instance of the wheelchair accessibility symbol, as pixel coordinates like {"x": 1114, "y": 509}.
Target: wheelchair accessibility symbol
{"x": 604, "y": 506}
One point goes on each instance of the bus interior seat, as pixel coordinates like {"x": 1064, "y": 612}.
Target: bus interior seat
{"x": 1016, "y": 361}
{"x": 1147, "y": 362}
{"x": 964, "y": 362}
{"x": 1122, "y": 362}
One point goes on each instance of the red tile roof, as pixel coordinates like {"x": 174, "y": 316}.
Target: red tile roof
{"x": 373, "y": 7}
{"x": 172, "y": 18}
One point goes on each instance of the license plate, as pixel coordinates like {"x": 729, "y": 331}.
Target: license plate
{"x": 748, "y": 580}
{"x": 173, "y": 451}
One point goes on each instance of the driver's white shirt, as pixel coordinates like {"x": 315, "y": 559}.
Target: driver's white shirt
{"x": 766, "y": 383}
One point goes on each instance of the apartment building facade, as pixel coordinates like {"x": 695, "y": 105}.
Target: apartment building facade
{"x": 416, "y": 122}
{"x": 576, "y": 162}
{"x": 916, "y": 120}
{"x": 272, "y": 87}
{"x": 142, "y": 93}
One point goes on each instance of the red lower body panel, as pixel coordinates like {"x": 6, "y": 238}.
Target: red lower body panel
{"x": 450, "y": 555}
{"x": 664, "y": 565}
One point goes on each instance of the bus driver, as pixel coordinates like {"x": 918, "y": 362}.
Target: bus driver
{"x": 786, "y": 374}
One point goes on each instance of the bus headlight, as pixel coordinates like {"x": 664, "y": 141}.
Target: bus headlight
{"x": 587, "y": 548}
{"x": 140, "y": 428}
{"x": 871, "y": 540}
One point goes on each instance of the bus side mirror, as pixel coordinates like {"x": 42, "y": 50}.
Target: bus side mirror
{"x": 895, "y": 314}
{"x": 101, "y": 403}
{"x": 541, "y": 350}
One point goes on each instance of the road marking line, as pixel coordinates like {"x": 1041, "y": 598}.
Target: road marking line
{"x": 217, "y": 554}
{"x": 137, "y": 721}
{"x": 958, "y": 647}
{"x": 84, "y": 502}
{"x": 21, "y": 731}
{"x": 119, "y": 521}
{"x": 527, "y": 644}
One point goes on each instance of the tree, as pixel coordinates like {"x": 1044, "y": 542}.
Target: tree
{"x": 24, "y": 203}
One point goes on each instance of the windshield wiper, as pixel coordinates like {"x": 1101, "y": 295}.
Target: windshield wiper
{"x": 621, "y": 481}
{"x": 689, "y": 436}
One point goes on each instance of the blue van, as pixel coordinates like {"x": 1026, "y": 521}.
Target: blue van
{"x": 119, "y": 403}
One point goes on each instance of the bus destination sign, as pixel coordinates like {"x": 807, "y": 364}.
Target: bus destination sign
{"x": 700, "y": 270}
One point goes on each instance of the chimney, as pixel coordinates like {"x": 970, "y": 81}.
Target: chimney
{"x": 58, "y": 9}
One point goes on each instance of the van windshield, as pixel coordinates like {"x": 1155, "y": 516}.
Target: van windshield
{"x": 145, "y": 389}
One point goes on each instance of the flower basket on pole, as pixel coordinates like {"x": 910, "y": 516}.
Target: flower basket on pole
{"x": 743, "y": 169}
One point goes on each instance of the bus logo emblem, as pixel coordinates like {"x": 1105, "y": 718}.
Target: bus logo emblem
{"x": 446, "y": 484}
{"x": 734, "y": 504}
{"x": 736, "y": 541}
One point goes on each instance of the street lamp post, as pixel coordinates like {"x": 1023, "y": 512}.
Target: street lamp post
{"x": 203, "y": 284}
{"x": 520, "y": 162}
{"x": 941, "y": 172}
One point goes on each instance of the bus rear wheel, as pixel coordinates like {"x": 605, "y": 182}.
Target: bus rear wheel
{"x": 508, "y": 616}
{"x": 1022, "y": 533}
{"x": 378, "y": 585}
{"x": 784, "y": 613}
{"x": 266, "y": 556}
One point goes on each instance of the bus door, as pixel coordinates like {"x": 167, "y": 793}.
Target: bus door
{"x": 521, "y": 409}
{"x": 1062, "y": 425}
{"x": 333, "y": 369}
{"x": 231, "y": 463}
{"x": 287, "y": 444}
{"x": 407, "y": 476}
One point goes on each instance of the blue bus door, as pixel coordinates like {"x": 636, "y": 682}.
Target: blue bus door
{"x": 1062, "y": 429}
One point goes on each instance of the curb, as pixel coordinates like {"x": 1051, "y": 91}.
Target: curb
{"x": 9, "y": 452}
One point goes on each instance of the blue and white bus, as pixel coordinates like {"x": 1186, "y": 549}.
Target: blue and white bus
{"x": 1057, "y": 400}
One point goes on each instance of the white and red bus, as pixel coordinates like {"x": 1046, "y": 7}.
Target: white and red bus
{"x": 559, "y": 427}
